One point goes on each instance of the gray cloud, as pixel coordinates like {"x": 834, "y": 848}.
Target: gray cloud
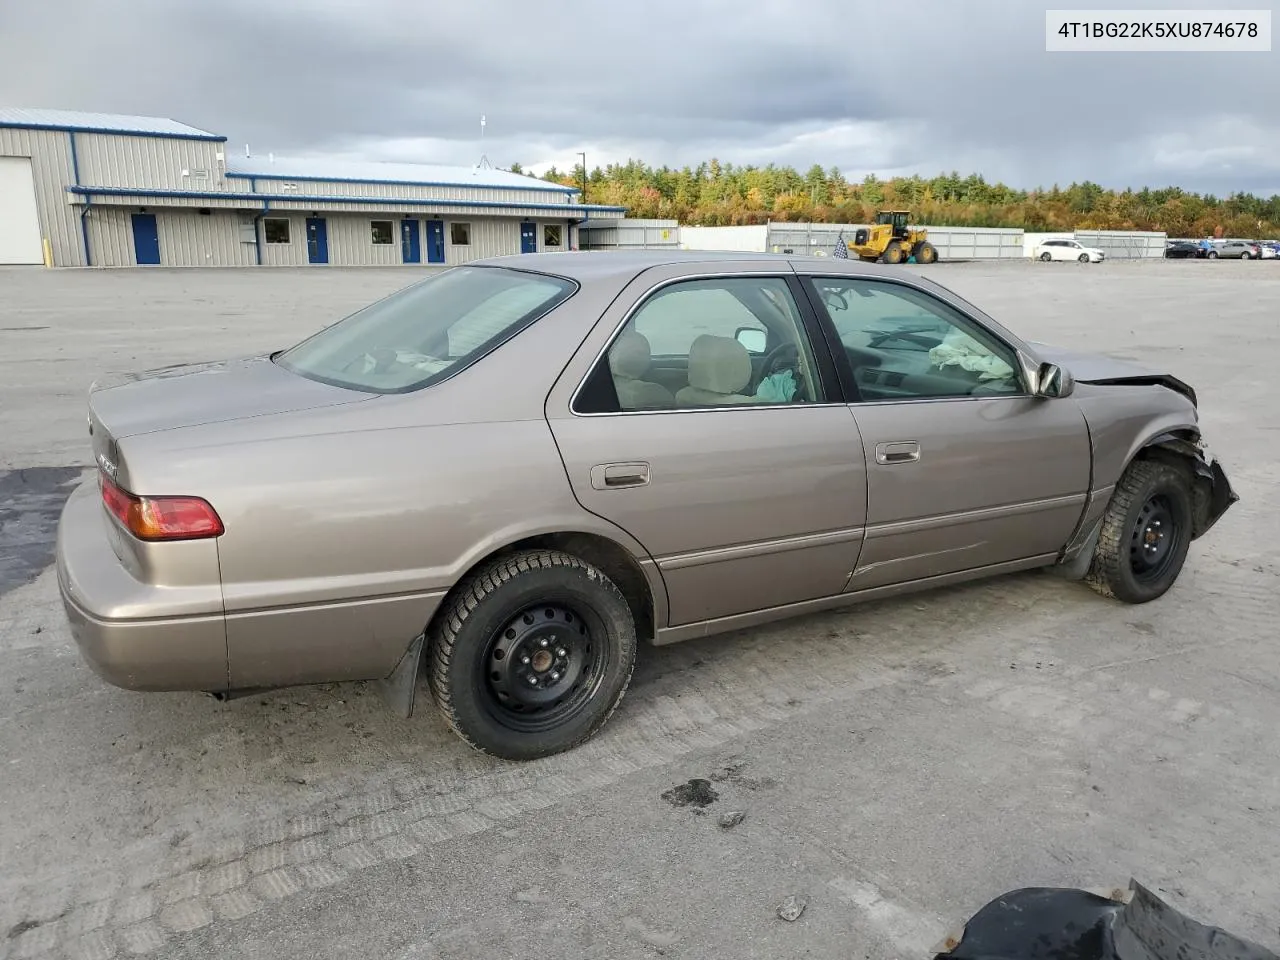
{"x": 848, "y": 83}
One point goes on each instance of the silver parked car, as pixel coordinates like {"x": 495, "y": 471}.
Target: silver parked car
{"x": 1237, "y": 249}
{"x": 506, "y": 474}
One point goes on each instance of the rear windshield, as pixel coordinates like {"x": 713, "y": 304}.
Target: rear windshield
{"x": 427, "y": 331}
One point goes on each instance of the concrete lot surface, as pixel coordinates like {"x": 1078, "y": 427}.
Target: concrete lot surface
{"x": 898, "y": 764}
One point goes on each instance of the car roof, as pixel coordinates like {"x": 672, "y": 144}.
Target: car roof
{"x": 595, "y": 265}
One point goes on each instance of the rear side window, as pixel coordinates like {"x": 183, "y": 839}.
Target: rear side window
{"x": 428, "y": 331}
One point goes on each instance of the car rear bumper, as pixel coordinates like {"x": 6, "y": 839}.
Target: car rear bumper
{"x": 131, "y": 633}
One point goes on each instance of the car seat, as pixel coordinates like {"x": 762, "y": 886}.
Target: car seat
{"x": 719, "y": 368}
{"x": 629, "y": 361}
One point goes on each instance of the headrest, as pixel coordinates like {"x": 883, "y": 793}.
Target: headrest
{"x": 719, "y": 364}
{"x": 630, "y": 355}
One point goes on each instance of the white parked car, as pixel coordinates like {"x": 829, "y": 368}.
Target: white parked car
{"x": 1068, "y": 250}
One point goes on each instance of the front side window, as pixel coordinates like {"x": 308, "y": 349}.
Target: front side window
{"x": 721, "y": 342}
{"x": 427, "y": 331}
{"x": 381, "y": 230}
{"x": 904, "y": 344}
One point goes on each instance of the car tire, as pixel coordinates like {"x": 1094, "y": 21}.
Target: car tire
{"x": 1046, "y": 257}
{"x": 1083, "y": 258}
{"x": 1212, "y": 254}
{"x": 1246, "y": 255}
{"x": 1145, "y": 533}
{"x": 539, "y": 614}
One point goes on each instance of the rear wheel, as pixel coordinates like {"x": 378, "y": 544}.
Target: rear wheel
{"x": 1212, "y": 254}
{"x": 894, "y": 253}
{"x": 1145, "y": 534}
{"x": 532, "y": 655}
{"x": 925, "y": 252}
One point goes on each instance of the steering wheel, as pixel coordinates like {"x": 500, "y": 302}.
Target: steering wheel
{"x": 783, "y": 356}
{"x": 832, "y": 298}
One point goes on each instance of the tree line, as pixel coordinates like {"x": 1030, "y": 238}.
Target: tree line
{"x": 722, "y": 194}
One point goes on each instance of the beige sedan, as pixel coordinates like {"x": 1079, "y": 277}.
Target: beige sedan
{"x": 507, "y": 474}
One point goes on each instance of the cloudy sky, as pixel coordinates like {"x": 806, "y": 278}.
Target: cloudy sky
{"x": 928, "y": 86}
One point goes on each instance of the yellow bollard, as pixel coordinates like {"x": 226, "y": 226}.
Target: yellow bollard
{"x": 48, "y": 252}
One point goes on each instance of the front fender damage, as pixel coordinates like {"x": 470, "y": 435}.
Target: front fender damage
{"x": 1212, "y": 493}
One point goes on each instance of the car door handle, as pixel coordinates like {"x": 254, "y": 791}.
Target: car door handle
{"x": 897, "y": 451}
{"x": 611, "y": 476}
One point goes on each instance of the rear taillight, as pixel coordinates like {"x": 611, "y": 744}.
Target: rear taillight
{"x": 160, "y": 518}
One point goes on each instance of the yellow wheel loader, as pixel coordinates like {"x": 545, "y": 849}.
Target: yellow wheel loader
{"x": 892, "y": 241}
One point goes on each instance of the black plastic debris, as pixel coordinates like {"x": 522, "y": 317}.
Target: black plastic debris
{"x": 1046, "y": 923}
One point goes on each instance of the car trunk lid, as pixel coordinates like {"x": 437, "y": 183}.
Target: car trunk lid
{"x": 195, "y": 394}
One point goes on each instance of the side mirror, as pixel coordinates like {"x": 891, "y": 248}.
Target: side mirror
{"x": 1053, "y": 381}
{"x": 754, "y": 339}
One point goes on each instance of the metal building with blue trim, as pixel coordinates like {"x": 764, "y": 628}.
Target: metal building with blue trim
{"x": 106, "y": 190}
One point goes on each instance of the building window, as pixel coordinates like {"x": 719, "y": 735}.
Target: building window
{"x": 460, "y": 234}
{"x": 276, "y": 230}
{"x": 551, "y": 235}
{"x": 381, "y": 232}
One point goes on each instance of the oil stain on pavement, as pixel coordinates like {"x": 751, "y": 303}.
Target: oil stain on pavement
{"x": 30, "y": 502}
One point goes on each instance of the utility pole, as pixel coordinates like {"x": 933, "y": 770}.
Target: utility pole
{"x": 584, "y": 176}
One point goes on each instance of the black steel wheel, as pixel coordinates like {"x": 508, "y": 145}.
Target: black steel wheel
{"x": 543, "y": 667}
{"x": 531, "y": 655}
{"x": 1145, "y": 533}
{"x": 1154, "y": 542}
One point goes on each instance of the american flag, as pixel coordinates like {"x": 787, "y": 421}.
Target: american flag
{"x": 842, "y": 249}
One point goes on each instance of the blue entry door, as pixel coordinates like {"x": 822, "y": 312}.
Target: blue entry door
{"x": 317, "y": 240}
{"x": 410, "y": 242}
{"x": 146, "y": 239}
{"x": 435, "y": 241}
{"x": 528, "y": 238}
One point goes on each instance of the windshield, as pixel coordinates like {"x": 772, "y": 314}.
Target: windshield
{"x": 427, "y": 331}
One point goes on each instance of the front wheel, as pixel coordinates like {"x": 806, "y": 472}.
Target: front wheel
{"x": 1246, "y": 255}
{"x": 894, "y": 253}
{"x": 1212, "y": 254}
{"x": 532, "y": 655}
{"x": 1145, "y": 534}
{"x": 1046, "y": 257}
{"x": 925, "y": 252}
{"x": 1083, "y": 258}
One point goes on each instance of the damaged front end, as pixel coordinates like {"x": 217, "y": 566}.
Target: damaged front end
{"x": 1212, "y": 494}
{"x": 1046, "y": 923}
